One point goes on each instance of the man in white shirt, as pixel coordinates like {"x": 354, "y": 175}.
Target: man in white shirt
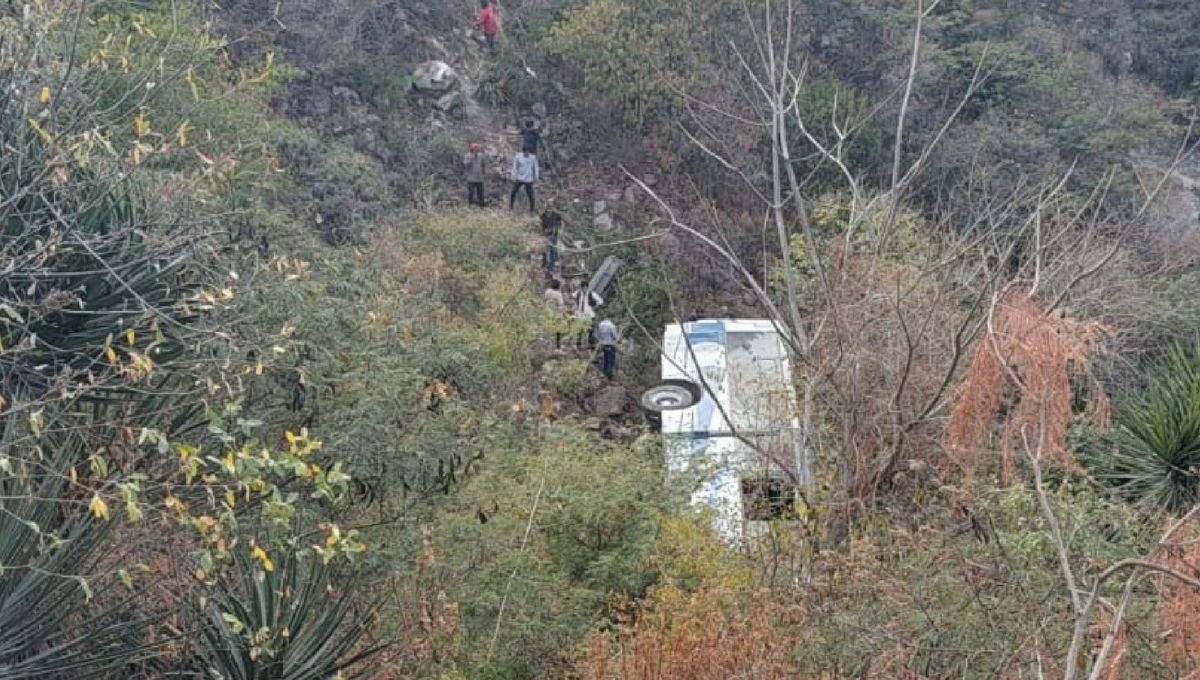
{"x": 524, "y": 174}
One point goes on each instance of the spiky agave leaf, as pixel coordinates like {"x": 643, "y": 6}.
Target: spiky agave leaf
{"x": 1154, "y": 452}
{"x": 292, "y": 622}
{"x": 79, "y": 266}
{"x": 47, "y": 550}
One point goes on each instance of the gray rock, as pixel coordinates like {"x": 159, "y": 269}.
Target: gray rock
{"x": 599, "y": 208}
{"x": 604, "y": 223}
{"x": 668, "y": 245}
{"x": 631, "y": 193}
{"x": 650, "y": 179}
{"x": 437, "y": 45}
{"x": 434, "y": 77}
{"x": 449, "y": 101}
{"x": 610, "y": 401}
{"x": 538, "y": 109}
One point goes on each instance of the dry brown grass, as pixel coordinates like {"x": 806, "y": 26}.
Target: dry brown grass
{"x": 709, "y": 635}
{"x": 888, "y": 343}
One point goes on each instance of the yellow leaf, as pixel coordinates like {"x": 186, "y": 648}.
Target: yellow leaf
{"x": 74, "y": 476}
{"x": 111, "y": 354}
{"x": 130, "y": 337}
{"x": 261, "y": 555}
{"x": 44, "y": 95}
{"x": 190, "y": 79}
{"x": 41, "y": 131}
{"x": 37, "y": 421}
{"x": 141, "y": 125}
{"x": 174, "y": 504}
{"x": 98, "y": 507}
{"x": 181, "y": 135}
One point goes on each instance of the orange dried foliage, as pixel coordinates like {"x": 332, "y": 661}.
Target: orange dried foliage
{"x": 1027, "y": 356}
{"x": 1179, "y": 611}
{"x": 1116, "y": 657}
{"x": 705, "y": 636}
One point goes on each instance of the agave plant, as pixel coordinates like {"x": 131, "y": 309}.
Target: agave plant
{"x": 290, "y": 622}
{"x": 85, "y": 278}
{"x": 52, "y": 624}
{"x": 1154, "y": 452}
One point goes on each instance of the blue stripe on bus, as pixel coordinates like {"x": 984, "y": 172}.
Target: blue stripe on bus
{"x": 698, "y": 333}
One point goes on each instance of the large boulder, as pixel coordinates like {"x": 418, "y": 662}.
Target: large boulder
{"x": 610, "y": 401}
{"x": 434, "y": 77}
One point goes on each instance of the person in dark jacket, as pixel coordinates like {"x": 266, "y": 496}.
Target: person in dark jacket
{"x": 551, "y": 224}
{"x": 530, "y": 137}
{"x": 473, "y": 172}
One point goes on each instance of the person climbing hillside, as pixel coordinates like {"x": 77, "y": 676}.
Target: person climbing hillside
{"x": 473, "y": 172}
{"x": 558, "y": 308}
{"x": 551, "y": 224}
{"x": 524, "y": 174}
{"x": 488, "y": 20}
{"x": 530, "y": 137}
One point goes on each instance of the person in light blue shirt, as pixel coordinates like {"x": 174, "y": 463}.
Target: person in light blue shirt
{"x": 608, "y": 336}
{"x": 524, "y": 174}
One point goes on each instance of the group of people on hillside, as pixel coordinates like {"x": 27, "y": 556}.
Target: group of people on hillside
{"x": 582, "y": 308}
{"x": 524, "y": 174}
{"x": 525, "y": 169}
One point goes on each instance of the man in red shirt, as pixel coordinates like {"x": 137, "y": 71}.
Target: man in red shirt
{"x": 486, "y": 19}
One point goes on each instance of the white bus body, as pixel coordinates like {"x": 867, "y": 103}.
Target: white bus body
{"x": 737, "y": 450}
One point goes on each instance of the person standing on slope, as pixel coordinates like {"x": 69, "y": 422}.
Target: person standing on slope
{"x": 487, "y": 19}
{"x": 530, "y": 137}
{"x": 608, "y": 336}
{"x": 472, "y": 165}
{"x": 524, "y": 174}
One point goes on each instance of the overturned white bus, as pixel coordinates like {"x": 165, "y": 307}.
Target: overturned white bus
{"x": 729, "y": 422}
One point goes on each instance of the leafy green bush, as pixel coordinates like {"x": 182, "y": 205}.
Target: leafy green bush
{"x": 637, "y": 54}
{"x": 585, "y": 547}
{"x": 344, "y": 186}
{"x": 569, "y": 378}
{"x": 381, "y": 80}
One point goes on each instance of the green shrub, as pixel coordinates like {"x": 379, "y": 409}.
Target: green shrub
{"x": 569, "y": 378}
{"x": 344, "y": 186}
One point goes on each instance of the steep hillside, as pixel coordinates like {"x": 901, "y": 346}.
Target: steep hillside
{"x": 276, "y": 403}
